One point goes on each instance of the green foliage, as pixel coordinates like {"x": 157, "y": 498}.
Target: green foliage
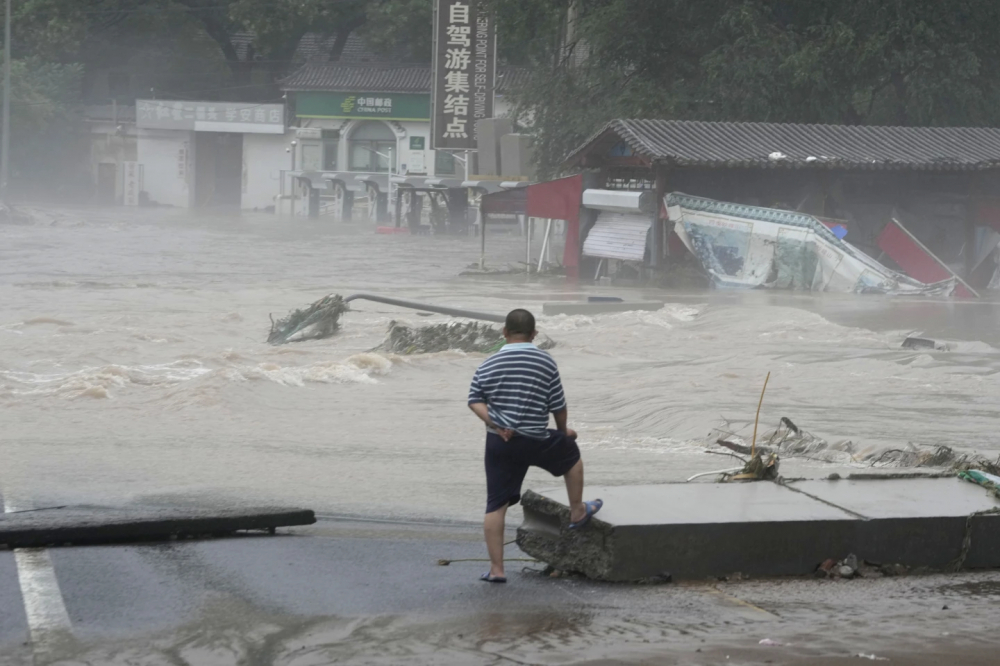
{"x": 908, "y": 62}
{"x": 400, "y": 25}
{"x": 43, "y": 113}
{"x": 280, "y": 24}
{"x": 903, "y": 62}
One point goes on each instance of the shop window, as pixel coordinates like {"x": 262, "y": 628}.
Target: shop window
{"x": 444, "y": 163}
{"x": 331, "y": 144}
{"x": 310, "y": 157}
{"x": 369, "y": 147}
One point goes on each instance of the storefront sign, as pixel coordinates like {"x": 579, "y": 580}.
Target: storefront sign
{"x": 130, "y": 183}
{"x": 416, "y": 143}
{"x": 182, "y": 157}
{"x": 211, "y": 116}
{"x": 314, "y": 133}
{"x": 363, "y": 106}
{"x": 417, "y": 163}
{"x": 464, "y": 72}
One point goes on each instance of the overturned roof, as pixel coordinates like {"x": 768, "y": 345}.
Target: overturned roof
{"x": 777, "y": 145}
{"x": 382, "y": 78}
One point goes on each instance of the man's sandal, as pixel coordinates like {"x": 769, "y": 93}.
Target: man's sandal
{"x": 592, "y": 508}
{"x": 488, "y": 578}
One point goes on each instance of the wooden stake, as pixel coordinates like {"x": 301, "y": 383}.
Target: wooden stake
{"x": 753, "y": 444}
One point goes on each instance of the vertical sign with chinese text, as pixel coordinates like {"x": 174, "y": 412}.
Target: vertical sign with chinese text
{"x": 464, "y": 72}
{"x": 130, "y": 183}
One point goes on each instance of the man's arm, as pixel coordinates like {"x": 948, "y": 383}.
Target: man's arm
{"x": 480, "y": 410}
{"x": 557, "y": 405}
{"x": 560, "y": 418}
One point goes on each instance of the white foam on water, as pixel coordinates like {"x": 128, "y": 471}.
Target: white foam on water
{"x": 357, "y": 369}
{"x": 105, "y": 381}
{"x": 98, "y": 382}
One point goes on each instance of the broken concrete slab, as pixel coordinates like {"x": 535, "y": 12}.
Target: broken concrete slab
{"x": 916, "y": 522}
{"x": 44, "y": 527}
{"x": 763, "y": 529}
{"x": 598, "y": 307}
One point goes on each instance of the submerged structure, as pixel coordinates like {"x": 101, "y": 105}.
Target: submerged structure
{"x": 926, "y": 197}
{"x": 750, "y": 246}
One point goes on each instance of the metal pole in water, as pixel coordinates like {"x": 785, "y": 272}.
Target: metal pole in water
{"x": 543, "y": 255}
{"x": 5, "y": 148}
{"x": 527, "y": 243}
{"x": 482, "y": 237}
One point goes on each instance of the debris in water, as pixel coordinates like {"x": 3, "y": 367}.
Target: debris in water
{"x": 922, "y": 343}
{"x": 762, "y": 467}
{"x": 470, "y": 336}
{"x": 319, "y": 320}
{"x": 790, "y": 441}
{"x": 742, "y": 246}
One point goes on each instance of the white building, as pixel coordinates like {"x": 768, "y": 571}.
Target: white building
{"x": 348, "y": 123}
{"x": 112, "y": 149}
{"x": 211, "y": 154}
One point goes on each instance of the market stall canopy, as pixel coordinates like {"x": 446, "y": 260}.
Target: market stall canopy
{"x": 783, "y": 145}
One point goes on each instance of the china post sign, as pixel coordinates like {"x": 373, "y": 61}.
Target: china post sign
{"x": 211, "y": 116}
{"x": 464, "y": 72}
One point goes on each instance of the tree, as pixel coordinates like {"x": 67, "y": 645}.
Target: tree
{"x": 901, "y": 62}
{"x": 44, "y": 116}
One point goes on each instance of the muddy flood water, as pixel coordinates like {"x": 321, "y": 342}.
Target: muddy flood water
{"x": 134, "y": 368}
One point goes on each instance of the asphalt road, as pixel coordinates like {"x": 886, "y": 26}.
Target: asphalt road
{"x": 373, "y": 593}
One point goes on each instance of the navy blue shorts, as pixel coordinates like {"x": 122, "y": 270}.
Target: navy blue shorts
{"x": 508, "y": 462}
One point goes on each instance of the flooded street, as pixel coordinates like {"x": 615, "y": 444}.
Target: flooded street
{"x": 134, "y": 369}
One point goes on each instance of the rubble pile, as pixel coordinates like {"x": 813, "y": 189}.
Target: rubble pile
{"x": 450, "y": 336}
{"x": 790, "y": 441}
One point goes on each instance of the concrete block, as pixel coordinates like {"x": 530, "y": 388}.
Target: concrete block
{"x": 517, "y": 157}
{"x": 762, "y": 528}
{"x": 95, "y": 525}
{"x": 598, "y": 307}
{"x": 917, "y": 522}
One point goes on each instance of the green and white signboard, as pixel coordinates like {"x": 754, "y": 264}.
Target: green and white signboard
{"x": 363, "y": 106}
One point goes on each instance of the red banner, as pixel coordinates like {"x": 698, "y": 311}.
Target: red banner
{"x": 916, "y": 260}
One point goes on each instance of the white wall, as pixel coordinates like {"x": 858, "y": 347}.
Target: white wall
{"x": 168, "y": 177}
{"x": 264, "y": 157}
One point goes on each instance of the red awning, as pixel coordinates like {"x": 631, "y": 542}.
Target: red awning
{"x": 916, "y": 260}
{"x": 560, "y": 200}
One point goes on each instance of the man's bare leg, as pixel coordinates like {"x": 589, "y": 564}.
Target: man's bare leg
{"x": 493, "y": 526}
{"x": 574, "y": 489}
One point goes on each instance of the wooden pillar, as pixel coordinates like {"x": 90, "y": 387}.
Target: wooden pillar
{"x": 588, "y": 217}
{"x": 658, "y": 249}
{"x": 482, "y": 237}
{"x": 970, "y": 237}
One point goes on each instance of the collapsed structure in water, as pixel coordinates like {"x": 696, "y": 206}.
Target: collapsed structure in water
{"x": 918, "y": 204}
{"x": 750, "y": 246}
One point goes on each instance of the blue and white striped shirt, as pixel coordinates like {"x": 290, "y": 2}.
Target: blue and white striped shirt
{"x": 520, "y": 385}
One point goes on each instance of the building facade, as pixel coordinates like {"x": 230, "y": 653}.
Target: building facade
{"x": 365, "y": 118}
{"x": 211, "y": 154}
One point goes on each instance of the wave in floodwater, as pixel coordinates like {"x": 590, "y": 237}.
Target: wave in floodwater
{"x": 146, "y": 336}
{"x": 106, "y": 381}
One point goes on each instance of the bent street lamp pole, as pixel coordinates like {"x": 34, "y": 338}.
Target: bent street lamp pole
{"x": 5, "y": 147}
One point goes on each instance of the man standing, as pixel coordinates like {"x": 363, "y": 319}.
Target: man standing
{"x": 513, "y": 392}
